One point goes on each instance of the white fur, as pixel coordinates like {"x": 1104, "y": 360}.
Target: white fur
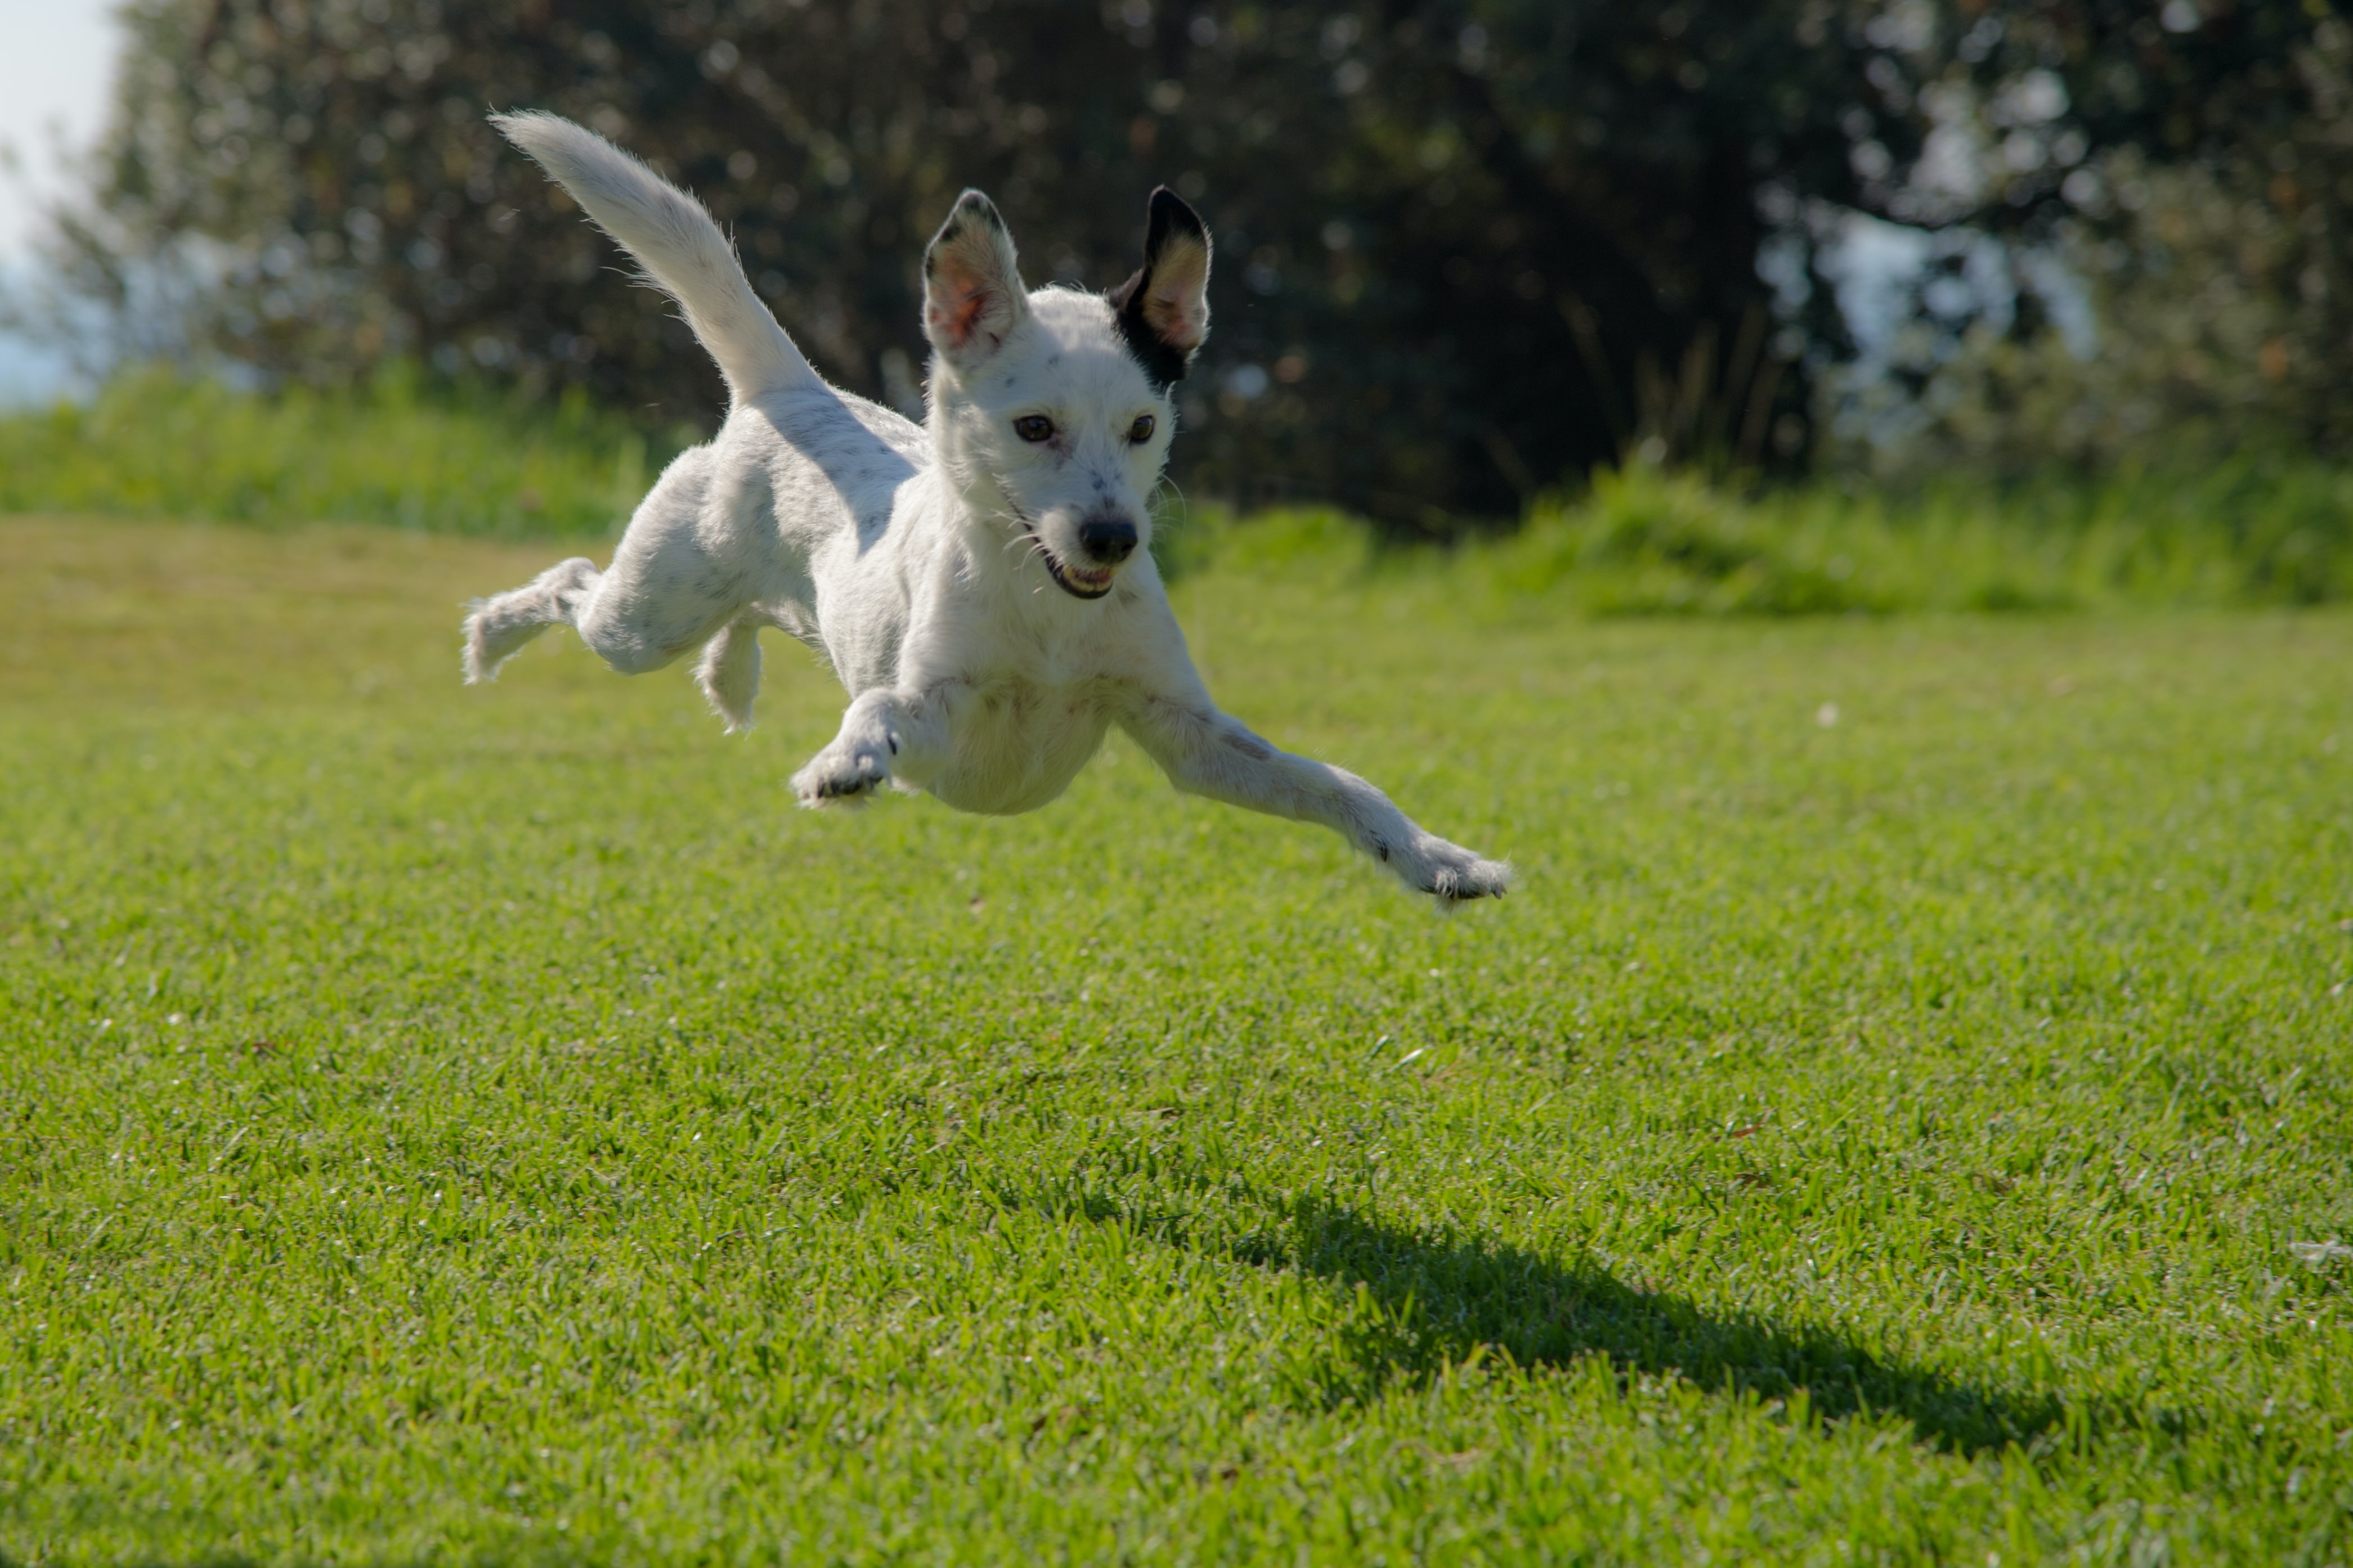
{"x": 938, "y": 568}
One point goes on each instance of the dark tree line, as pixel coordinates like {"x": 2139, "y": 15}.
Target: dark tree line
{"x": 2197, "y": 176}
{"x": 1466, "y": 248}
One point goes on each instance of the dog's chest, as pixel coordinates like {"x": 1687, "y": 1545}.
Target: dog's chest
{"x": 1018, "y": 738}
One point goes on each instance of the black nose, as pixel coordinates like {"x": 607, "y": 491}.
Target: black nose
{"x": 1109, "y": 540}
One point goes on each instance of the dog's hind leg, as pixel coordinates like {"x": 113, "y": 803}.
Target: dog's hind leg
{"x": 683, "y": 572}
{"x": 729, "y": 672}
{"x": 502, "y": 623}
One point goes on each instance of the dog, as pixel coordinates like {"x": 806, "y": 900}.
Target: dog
{"x": 983, "y": 583}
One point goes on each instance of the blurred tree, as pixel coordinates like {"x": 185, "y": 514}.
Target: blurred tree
{"x": 1467, "y": 247}
{"x": 2187, "y": 167}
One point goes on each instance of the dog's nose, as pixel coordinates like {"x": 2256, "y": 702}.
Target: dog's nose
{"x": 1109, "y": 540}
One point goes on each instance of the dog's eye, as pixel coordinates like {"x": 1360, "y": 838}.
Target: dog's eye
{"x": 1034, "y": 427}
{"x": 1140, "y": 431}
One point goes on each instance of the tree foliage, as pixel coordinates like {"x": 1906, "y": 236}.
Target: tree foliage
{"x": 2187, "y": 167}
{"x": 1466, "y": 247}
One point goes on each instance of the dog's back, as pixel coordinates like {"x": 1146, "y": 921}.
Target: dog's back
{"x": 732, "y": 535}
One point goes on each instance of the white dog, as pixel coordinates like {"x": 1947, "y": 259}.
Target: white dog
{"x": 981, "y": 583}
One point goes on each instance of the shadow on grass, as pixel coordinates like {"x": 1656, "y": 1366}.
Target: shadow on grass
{"x": 1437, "y": 1299}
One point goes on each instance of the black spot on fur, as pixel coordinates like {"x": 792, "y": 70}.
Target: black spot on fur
{"x": 1163, "y": 365}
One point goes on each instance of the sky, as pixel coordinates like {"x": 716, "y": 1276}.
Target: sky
{"x": 57, "y": 57}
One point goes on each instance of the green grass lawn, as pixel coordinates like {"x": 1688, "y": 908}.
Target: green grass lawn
{"x": 496, "y": 1127}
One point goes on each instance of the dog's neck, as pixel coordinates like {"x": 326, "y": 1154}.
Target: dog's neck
{"x": 984, "y": 519}
{"x": 981, "y": 514}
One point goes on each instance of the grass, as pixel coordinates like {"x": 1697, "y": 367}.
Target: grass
{"x": 153, "y": 445}
{"x": 2254, "y": 531}
{"x": 1643, "y": 542}
{"x": 1890, "y": 1124}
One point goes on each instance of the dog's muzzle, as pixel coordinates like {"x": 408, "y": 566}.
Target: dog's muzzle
{"x": 1107, "y": 540}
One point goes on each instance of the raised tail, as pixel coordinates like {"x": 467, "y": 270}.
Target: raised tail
{"x": 676, "y": 243}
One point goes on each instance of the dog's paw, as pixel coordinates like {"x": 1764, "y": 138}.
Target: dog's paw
{"x": 842, "y": 773}
{"x": 1449, "y": 873}
{"x": 491, "y": 638}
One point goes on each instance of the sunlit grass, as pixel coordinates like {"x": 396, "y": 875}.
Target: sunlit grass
{"x": 495, "y": 1126}
{"x": 155, "y": 445}
{"x": 1636, "y": 543}
{"x": 1645, "y": 542}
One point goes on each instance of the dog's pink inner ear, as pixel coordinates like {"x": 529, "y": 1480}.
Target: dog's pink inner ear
{"x": 959, "y": 309}
{"x": 1176, "y": 300}
{"x": 972, "y": 298}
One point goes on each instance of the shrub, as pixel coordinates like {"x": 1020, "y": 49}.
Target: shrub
{"x": 155, "y": 444}
{"x": 1641, "y": 541}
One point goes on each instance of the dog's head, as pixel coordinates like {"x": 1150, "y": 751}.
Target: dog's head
{"x": 1052, "y": 409}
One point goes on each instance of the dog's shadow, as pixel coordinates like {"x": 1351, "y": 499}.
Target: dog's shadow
{"x": 1441, "y": 1301}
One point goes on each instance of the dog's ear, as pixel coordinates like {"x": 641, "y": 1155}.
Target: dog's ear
{"x": 1164, "y": 310}
{"x": 973, "y": 297}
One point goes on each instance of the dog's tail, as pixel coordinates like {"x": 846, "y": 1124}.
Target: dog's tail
{"x": 675, "y": 241}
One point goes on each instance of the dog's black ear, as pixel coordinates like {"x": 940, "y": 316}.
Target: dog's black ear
{"x": 1164, "y": 310}
{"x": 973, "y": 297}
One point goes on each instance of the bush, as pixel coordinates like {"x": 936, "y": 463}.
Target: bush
{"x": 155, "y": 444}
{"x": 1641, "y": 540}
{"x": 1647, "y": 542}
{"x": 1644, "y": 541}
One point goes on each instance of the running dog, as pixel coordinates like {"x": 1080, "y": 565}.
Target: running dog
{"x": 982, "y": 583}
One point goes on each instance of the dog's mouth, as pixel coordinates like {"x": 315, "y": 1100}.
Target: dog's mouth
{"x": 1079, "y": 582}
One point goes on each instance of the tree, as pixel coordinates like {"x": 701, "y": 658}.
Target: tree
{"x": 1467, "y": 247}
{"x": 2190, "y": 167}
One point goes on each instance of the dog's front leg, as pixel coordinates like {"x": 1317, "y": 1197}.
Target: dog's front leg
{"x": 886, "y": 730}
{"x": 1207, "y": 753}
